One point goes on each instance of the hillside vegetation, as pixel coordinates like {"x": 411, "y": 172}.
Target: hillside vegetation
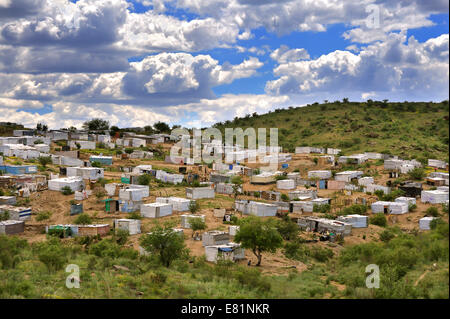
{"x": 411, "y": 266}
{"x": 408, "y": 129}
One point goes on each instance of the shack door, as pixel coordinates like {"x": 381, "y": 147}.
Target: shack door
{"x": 322, "y": 184}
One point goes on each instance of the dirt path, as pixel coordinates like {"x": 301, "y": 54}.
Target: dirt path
{"x": 420, "y": 278}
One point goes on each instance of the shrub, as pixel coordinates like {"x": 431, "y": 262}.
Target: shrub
{"x": 121, "y": 236}
{"x": 44, "y": 160}
{"x": 412, "y": 207}
{"x": 417, "y": 174}
{"x": 197, "y": 224}
{"x": 284, "y": 197}
{"x": 386, "y": 235}
{"x": 432, "y": 211}
{"x": 354, "y": 209}
{"x": 43, "y": 216}
{"x": 66, "y": 190}
{"x": 287, "y": 228}
{"x": 144, "y": 179}
{"x": 52, "y": 254}
{"x": 134, "y": 215}
{"x": 165, "y": 243}
{"x": 378, "y": 219}
{"x": 253, "y": 279}
{"x": 194, "y": 206}
{"x": 83, "y": 219}
{"x": 323, "y": 209}
{"x": 96, "y": 164}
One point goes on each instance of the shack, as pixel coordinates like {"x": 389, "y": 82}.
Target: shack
{"x": 7, "y": 200}
{"x": 156, "y": 210}
{"x": 424, "y": 223}
{"x": 104, "y": 160}
{"x": 434, "y": 197}
{"x": 186, "y": 218}
{"x": 322, "y": 225}
{"x": 133, "y": 226}
{"x": 199, "y": 192}
{"x": 74, "y": 182}
{"x": 15, "y": 212}
{"x": 12, "y": 227}
{"x": 263, "y": 178}
{"x": 215, "y": 237}
{"x": 411, "y": 189}
{"x": 179, "y": 204}
{"x": 357, "y": 221}
{"x": 286, "y": 184}
{"x": 348, "y": 176}
{"x": 396, "y": 208}
{"x": 233, "y": 229}
{"x": 230, "y": 251}
{"x": 409, "y": 200}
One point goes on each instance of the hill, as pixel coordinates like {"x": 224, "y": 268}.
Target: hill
{"x": 407, "y": 129}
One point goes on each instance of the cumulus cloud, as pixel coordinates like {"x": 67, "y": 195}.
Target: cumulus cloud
{"x": 397, "y": 65}
{"x": 161, "y": 79}
{"x": 283, "y": 54}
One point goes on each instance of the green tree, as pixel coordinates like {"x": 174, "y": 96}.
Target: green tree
{"x": 44, "y": 160}
{"x": 197, "y": 224}
{"x": 96, "y": 125}
{"x": 237, "y": 182}
{"x": 258, "y": 235}
{"x": 164, "y": 242}
{"x": 287, "y": 228}
{"x": 162, "y": 127}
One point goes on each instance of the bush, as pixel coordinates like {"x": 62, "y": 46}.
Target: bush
{"x": 44, "y": 160}
{"x": 287, "y": 228}
{"x": 194, "y": 206}
{"x": 165, "y": 243}
{"x": 96, "y": 164}
{"x": 412, "y": 207}
{"x": 197, "y": 224}
{"x": 66, "y": 190}
{"x": 432, "y": 211}
{"x": 134, "y": 215}
{"x": 386, "y": 235}
{"x": 417, "y": 174}
{"x": 43, "y": 216}
{"x": 121, "y": 236}
{"x": 83, "y": 219}
{"x": 378, "y": 219}
{"x": 10, "y": 247}
{"x": 284, "y": 197}
{"x": 51, "y": 253}
{"x": 144, "y": 179}
{"x": 253, "y": 279}
{"x": 354, "y": 209}
{"x": 323, "y": 209}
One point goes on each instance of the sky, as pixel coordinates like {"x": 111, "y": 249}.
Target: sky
{"x": 197, "y": 62}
